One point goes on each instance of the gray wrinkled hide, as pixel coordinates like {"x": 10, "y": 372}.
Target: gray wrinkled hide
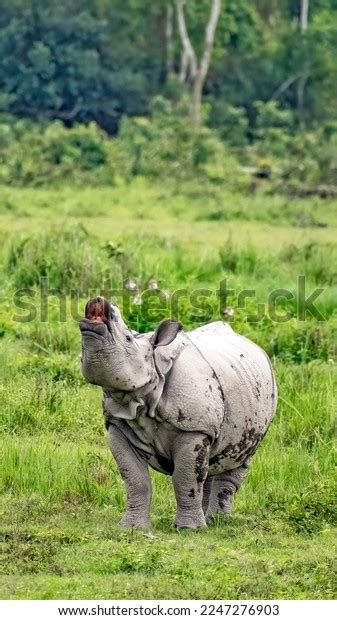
{"x": 194, "y": 406}
{"x": 214, "y": 382}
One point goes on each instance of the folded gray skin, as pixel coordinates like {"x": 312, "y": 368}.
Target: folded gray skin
{"x": 192, "y": 405}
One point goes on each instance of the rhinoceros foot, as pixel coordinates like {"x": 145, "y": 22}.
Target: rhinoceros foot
{"x": 190, "y": 519}
{"x": 131, "y": 521}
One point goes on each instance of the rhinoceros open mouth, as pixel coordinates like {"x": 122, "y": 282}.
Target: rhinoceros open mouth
{"x": 98, "y": 309}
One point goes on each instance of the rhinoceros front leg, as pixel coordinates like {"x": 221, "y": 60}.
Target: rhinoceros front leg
{"x": 191, "y": 458}
{"x": 223, "y": 490}
{"x": 135, "y": 473}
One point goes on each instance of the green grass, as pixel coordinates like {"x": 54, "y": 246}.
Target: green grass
{"x": 155, "y": 208}
{"x": 80, "y": 553}
{"x": 61, "y": 495}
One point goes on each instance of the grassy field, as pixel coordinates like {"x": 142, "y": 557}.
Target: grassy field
{"x": 61, "y": 495}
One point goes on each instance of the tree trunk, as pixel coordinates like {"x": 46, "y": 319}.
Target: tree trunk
{"x": 189, "y": 65}
{"x": 304, "y": 16}
{"x": 196, "y": 103}
{"x": 183, "y": 67}
{"x": 301, "y": 84}
{"x": 203, "y": 69}
{"x": 169, "y": 41}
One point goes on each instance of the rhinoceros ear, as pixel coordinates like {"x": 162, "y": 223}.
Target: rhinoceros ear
{"x": 165, "y": 333}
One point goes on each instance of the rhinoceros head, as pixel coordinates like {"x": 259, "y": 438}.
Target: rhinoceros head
{"x": 113, "y": 356}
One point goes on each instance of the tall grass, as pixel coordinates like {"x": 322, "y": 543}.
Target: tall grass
{"x": 65, "y": 257}
{"x": 68, "y": 472}
{"x": 74, "y": 261}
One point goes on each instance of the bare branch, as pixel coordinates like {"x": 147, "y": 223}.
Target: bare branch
{"x": 301, "y": 84}
{"x": 304, "y": 16}
{"x": 204, "y": 63}
{"x": 284, "y": 86}
{"x": 169, "y": 40}
{"x": 189, "y": 63}
{"x": 189, "y": 53}
{"x": 209, "y": 37}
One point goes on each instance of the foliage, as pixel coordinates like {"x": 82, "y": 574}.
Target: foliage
{"x": 36, "y": 154}
{"x": 66, "y": 68}
{"x": 230, "y": 122}
{"x": 307, "y": 157}
{"x": 315, "y": 260}
{"x": 97, "y": 61}
{"x": 164, "y": 146}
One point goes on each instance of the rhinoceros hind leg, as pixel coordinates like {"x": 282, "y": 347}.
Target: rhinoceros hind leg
{"x": 208, "y": 486}
{"x": 223, "y": 490}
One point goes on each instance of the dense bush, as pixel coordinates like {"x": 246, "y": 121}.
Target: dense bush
{"x": 165, "y": 146}
{"x": 160, "y": 146}
{"x": 37, "y": 154}
{"x": 231, "y": 123}
{"x": 308, "y": 157}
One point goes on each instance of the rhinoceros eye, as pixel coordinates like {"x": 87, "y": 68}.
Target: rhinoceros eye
{"x": 129, "y": 338}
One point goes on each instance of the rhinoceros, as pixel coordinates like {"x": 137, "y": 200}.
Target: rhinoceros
{"x": 191, "y": 405}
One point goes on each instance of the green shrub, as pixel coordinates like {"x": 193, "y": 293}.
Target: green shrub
{"x": 164, "y": 146}
{"x": 269, "y": 114}
{"x": 307, "y": 157}
{"x": 230, "y": 122}
{"x": 161, "y": 145}
{"x": 35, "y": 154}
